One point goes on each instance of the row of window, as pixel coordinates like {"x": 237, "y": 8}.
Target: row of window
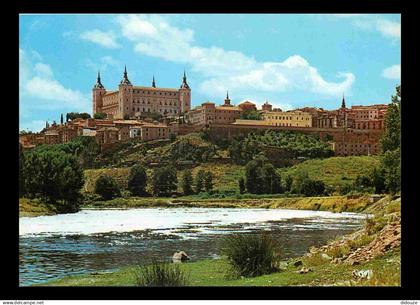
{"x": 285, "y": 118}
{"x": 148, "y": 102}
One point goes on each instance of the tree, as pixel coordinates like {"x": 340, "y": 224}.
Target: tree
{"x": 100, "y": 116}
{"x": 288, "y": 181}
{"x": 53, "y": 176}
{"x": 298, "y": 180}
{"x": 76, "y": 115}
{"x": 378, "y": 180}
{"x": 253, "y": 177}
{"x": 186, "y": 182}
{"x": 199, "y": 181}
{"x": 310, "y": 187}
{"x": 107, "y": 187}
{"x": 208, "y": 182}
{"x": 271, "y": 181}
{"x": 251, "y": 115}
{"x": 362, "y": 182}
{"x": 21, "y": 174}
{"x": 172, "y": 137}
{"x": 164, "y": 181}
{"x": 390, "y": 164}
{"x": 391, "y": 138}
{"x": 137, "y": 180}
{"x": 241, "y": 183}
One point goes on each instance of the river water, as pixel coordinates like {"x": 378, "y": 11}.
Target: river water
{"x": 52, "y": 247}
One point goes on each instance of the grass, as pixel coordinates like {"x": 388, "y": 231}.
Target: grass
{"x": 35, "y": 207}
{"x": 250, "y": 255}
{"x": 159, "y": 274}
{"x": 386, "y": 271}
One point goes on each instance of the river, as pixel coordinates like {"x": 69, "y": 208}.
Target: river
{"x": 52, "y": 247}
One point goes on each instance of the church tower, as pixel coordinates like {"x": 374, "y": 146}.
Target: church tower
{"x": 97, "y": 93}
{"x": 185, "y": 95}
{"x": 125, "y": 103}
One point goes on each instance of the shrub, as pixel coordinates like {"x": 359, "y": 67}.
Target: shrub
{"x": 241, "y": 183}
{"x": 250, "y": 255}
{"x": 375, "y": 224}
{"x": 137, "y": 180}
{"x": 338, "y": 250}
{"x": 107, "y": 187}
{"x": 360, "y": 242}
{"x": 208, "y": 182}
{"x": 159, "y": 274}
{"x": 164, "y": 181}
{"x": 199, "y": 181}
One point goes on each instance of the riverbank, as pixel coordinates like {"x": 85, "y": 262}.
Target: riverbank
{"x": 330, "y": 203}
{"x": 34, "y": 208}
{"x": 367, "y": 257}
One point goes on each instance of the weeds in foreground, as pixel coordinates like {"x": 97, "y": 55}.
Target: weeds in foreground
{"x": 250, "y": 255}
{"x": 160, "y": 274}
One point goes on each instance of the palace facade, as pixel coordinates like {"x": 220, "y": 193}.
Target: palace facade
{"x": 130, "y": 102}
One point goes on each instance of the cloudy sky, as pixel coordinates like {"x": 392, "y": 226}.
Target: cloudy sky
{"x": 289, "y": 60}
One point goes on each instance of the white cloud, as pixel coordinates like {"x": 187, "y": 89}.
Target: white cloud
{"x": 43, "y": 69}
{"x": 393, "y": 72}
{"x": 105, "y": 39}
{"x": 153, "y": 36}
{"x": 389, "y": 28}
{"x": 39, "y": 91}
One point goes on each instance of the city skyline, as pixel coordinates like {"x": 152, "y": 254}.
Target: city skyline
{"x": 279, "y": 58}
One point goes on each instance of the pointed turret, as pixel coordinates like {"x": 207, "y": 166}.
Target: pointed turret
{"x": 343, "y": 102}
{"x": 153, "y": 82}
{"x": 227, "y": 100}
{"x": 184, "y": 84}
{"x": 61, "y": 119}
{"x": 98, "y": 84}
{"x": 125, "y": 80}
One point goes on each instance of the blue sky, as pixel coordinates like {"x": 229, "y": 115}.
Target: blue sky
{"x": 291, "y": 60}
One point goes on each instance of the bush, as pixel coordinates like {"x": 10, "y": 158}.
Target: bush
{"x": 137, "y": 180}
{"x": 107, "y": 187}
{"x": 250, "y": 255}
{"x": 158, "y": 274}
{"x": 164, "y": 181}
{"x": 311, "y": 187}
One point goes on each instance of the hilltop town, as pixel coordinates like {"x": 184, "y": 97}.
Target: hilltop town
{"x": 151, "y": 113}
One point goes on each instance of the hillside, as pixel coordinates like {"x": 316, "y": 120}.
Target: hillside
{"x": 334, "y": 171}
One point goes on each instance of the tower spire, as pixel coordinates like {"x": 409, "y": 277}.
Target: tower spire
{"x": 98, "y": 84}
{"x": 184, "y": 84}
{"x": 227, "y": 100}
{"x": 343, "y": 102}
{"x": 153, "y": 82}
{"x": 125, "y": 80}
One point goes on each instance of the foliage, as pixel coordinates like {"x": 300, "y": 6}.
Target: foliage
{"x": 84, "y": 148}
{"x": 164, "y": 181}
{"x": 137, "y": 180}
{"x": 21, "y": 174}
{"x": 251, "y": 115}
{"x": 52, "y": 176}
{"x": 294, "y": 145}
{"x": 288, "y": 181}
{"x": 310, "y": 187}
{"x": 188, "y": 149}
{"x": 186, "y": 182}
{"x": 250, "y": 255}
{"x": 172, "y": 137}
{"x": 76, "y": 115}
{"x": 159, "y": 274}
{"x": 199, "y": 181}
{"x": 271, "y": 180}
{"x": 107, "y": 187}
{"x": 100, "y": 116}
{"x": 208, "y": 182}
{"x": 391, "y": 138}
{"x": 241, "y": 183}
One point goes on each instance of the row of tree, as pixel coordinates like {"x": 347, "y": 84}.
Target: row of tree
{"x": 261, "y": 178}
{"x": 164, "y": 182}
